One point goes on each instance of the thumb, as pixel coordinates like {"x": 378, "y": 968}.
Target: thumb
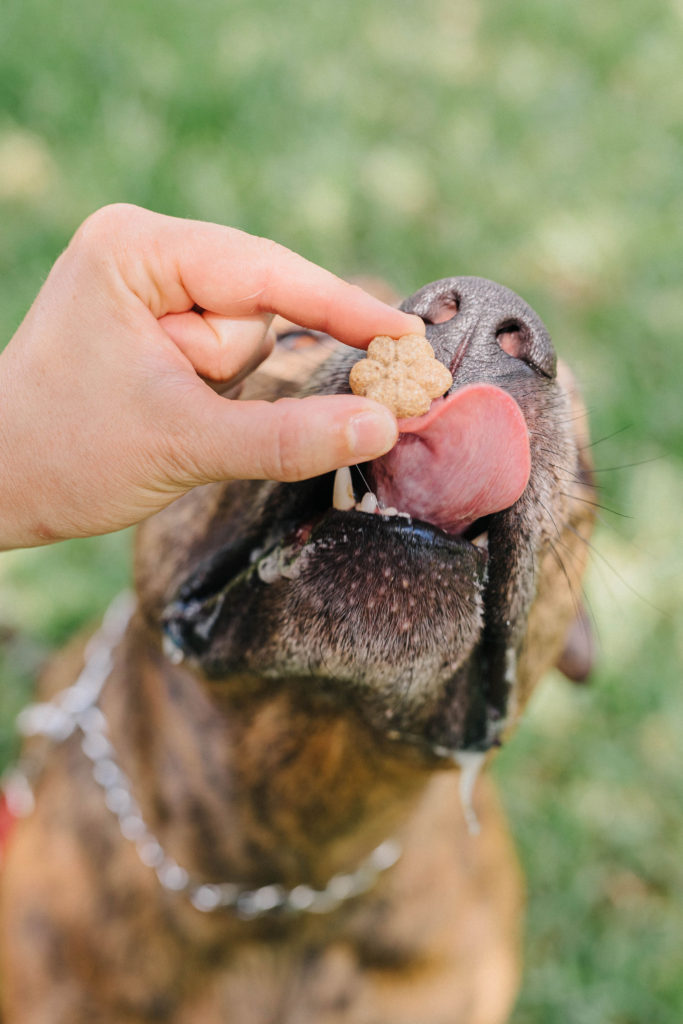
{"x": 219, "y": 347}
{"x": 291, "y": 439}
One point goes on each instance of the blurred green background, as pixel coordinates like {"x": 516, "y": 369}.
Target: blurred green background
{"x": 539, "y": 144}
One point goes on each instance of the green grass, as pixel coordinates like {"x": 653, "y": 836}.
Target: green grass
{"x": 539, "y": 144}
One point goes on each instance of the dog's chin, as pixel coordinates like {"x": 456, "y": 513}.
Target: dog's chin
{"x": 373, "y": 609}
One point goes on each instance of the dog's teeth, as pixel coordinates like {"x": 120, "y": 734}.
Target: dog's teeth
{"x": 482, "y": 541}
{"x": 343, "y": 497}
{"x": 391, "y": 511}
{"x": 368, "y": 502}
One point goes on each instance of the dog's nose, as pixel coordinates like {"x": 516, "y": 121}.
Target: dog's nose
{"x": 485, "y": 319}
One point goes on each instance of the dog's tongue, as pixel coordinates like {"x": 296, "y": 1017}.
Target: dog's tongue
{"x": 465, "y": 458}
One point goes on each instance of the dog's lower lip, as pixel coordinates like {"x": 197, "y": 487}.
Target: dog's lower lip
{"x": 344, "y": 500}
{"x": 414, "y": 531}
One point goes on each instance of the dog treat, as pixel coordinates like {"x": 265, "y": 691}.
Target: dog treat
{"x": 402, "y": 374}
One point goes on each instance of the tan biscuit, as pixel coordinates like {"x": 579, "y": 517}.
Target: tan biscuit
{"x": 402, "y": 374}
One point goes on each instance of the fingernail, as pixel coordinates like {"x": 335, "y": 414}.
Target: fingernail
{"x": 419, "y": 323}
{"x": 371, "y": 433}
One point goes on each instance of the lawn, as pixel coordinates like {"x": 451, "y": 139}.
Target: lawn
{"x": 539, "y": 144}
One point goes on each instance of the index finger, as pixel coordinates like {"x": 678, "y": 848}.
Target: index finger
{"x": 303, "y": 292}
{"x": 232, "y": 273}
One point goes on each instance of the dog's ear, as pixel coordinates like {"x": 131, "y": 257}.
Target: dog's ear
{"x": 578, "y": 655}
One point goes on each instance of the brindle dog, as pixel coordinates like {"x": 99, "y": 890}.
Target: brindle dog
{"x": 323, "y": 672}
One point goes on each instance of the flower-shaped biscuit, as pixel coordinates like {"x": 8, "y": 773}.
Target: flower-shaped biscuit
{"x": 402, "y": 374}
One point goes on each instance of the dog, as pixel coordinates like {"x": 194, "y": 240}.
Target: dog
{"x": 261, "y": 807}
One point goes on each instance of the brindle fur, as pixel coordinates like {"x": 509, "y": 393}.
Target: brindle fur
{"x": 259, "y": 775}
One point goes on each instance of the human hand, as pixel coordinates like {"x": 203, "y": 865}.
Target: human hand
{"x": 104, "y": 418}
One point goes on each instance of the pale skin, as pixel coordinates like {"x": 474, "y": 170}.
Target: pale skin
{"x": 105, "y": 417}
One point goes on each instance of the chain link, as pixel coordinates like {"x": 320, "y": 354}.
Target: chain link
{"x": 76, "y": 708}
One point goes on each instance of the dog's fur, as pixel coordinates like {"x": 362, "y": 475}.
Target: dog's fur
{"x": 300, "y": 730}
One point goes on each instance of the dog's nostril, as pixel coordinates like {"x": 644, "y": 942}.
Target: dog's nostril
{"x": 442, "y": 309}
{"x": 516, "y": 340}
{"x": 511, "y": 339}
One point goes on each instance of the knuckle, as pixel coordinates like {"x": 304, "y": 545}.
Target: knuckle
{"x": 285, "y": 456}
{"x": 274, "y": 259}
{"x": 273, "y": 250}
{"x": 105, "y": 225}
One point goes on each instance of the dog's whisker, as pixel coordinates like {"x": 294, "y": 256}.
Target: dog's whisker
{"x": 597, "y": 505}
{"x": 598, "y": 555}
{"x": 627, "y": 465}
{"x": 558, "y": 542}
{"x": 565, "y": 572}
{"x": 607, "y": 437}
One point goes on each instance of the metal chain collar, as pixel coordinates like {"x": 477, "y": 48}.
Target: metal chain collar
{"x": 75, "y": 708}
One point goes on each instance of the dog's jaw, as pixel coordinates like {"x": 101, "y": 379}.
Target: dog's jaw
{"x": 418, "y": 626}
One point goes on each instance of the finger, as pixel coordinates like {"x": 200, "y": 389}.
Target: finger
{"x": 291, "y": 439}
{"x": 221, "y": 348}
{"x": 316, "y": 299}
{"x": 175, "y": 264}
{"x": 276, "y": 280}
